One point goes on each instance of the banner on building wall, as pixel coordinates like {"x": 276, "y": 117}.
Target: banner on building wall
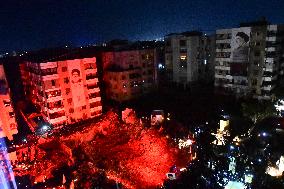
{"x": 77, "y": 85}
{"x": 240, "y": 51}
{"x": 3, "y": 84}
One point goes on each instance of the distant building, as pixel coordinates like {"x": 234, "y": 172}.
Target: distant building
{"x": 8, "y": 125}
{"x": 249, "y": 59}
{"x": 189, "y": 57}
{"x": 130, "y": 72}
{"x": 66, "y": 91}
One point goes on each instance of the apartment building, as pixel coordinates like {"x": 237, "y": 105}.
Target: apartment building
{"x": 129, "y": 73}
{"x": 66, "y": 91}
{"x": 189, "y": 57}
{"x": 8, "y": 125}
{"x": 249, "y": 59}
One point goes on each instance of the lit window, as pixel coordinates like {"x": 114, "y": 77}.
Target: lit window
{"x": 183, "y": 57}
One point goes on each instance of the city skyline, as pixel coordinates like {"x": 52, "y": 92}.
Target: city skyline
{"x": 31, "y": 26}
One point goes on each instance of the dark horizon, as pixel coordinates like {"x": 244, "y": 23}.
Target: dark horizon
{"x": 45, "y": 24}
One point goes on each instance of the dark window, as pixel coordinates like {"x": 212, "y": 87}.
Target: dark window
{"x": 53, "y": 82}
{"x": 66, "y": 80}
{"x": 71, "y": 110}
{"x": 95, "y": 104}
{"x": 182, "y": 42}
{"x": 91, "y": 76}
{"x": 92, "y": 86}
{"x": 64, "y": 69}
{"x": 67, "y": 91}
{"x": 94, "y": 95}
{"x": 69, "y": 100}
{"x": 56, "y": 115}
{"x": 11, "y": 114}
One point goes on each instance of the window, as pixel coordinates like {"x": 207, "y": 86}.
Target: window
{"x": 92, "y": 86}
{"x": 64, "y": 69}
{"x": 67, "y": 91}
{"x": 91, "y": 76}
{"x": 71, "y": 110}
{"x": 134, "y": 75}
{"x": 13, "y": 126}
{"x": 48, "y": 71}
{"x": 95, "y": 104}
{"x": 94, "y": 95}
{"x": 90, "y": 66}
{"x": 11, "y": 114}
{"x": 56, "y": 115}
{"x": 53, "y": 83}
{"x": 7, "y": 103}
{"x": 66, "y": 80}
{"x": 69, "y": 100}
{"x": 168, "y": 43}
{"x": 183, "y": 57}
{"x": 182, "y": 42}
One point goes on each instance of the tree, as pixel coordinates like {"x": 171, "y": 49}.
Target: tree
{"x": 258, "y": 110}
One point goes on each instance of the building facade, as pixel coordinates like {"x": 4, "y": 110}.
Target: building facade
{"x": 8, "y": 125}
{"x": 249, "y": 59}
{"x": 189, "y": 57}
{"x": 129, "y": 73}
{"x": 65, "y": 91}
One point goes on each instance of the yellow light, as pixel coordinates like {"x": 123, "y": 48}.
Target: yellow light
{"x": 183, "y": 57}
{"x": 223, "y": 125}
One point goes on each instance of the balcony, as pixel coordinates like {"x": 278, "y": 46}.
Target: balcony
{"x": 52, "y": 89}
{"x": 219, "y": 76}
{"x": 94, "y": 90}
{"x": 222, "y": 68}
{"x": 270, "y": 38}
{"x": 50, "y": 77}
{"x": 97, "y": 99}
{"x": 89, "y": 81}
{"x": 223, "y": 41}
{"x": 95, "y": 109}
{"x": 58, "y": 120}
{"x": 54, "y": 98}
{"x": 91, "y": 71}
{"x": 268, "y": 87}
{"x": 270, "y": 49}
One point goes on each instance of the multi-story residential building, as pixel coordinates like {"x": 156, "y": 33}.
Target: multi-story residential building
{"x": 8, "y": 125}
{"x": 129, "y": 73}
{"x": 66, "y": 91}
{"x": 249, "y": 59}
{"x": 189, "y": 57}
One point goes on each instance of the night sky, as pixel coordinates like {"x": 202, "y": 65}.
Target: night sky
{"x": 40, "y": 24}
